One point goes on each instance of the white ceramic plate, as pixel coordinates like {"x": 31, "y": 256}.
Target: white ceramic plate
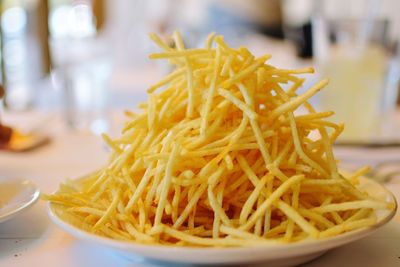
{"x": 16, "y": 196}
{"x": 270, "y": 255}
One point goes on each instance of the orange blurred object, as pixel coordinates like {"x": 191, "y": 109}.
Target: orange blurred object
{"x": 13, "y": 140}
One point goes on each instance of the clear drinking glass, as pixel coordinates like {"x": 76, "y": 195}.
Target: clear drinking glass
{"x": 351, "y": 50}
{"x": 82, "y": 72}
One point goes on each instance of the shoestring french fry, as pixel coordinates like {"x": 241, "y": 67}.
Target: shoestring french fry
{"x": 217, "y": 157}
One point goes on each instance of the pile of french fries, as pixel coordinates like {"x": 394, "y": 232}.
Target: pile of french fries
{"x": 217, "y": 157}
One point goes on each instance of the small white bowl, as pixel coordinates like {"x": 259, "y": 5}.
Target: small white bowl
{"x": 270, "y": 255}
{"x": 16, "y": 196}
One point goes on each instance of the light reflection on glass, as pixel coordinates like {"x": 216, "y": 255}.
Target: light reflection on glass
{"x": 72, "y": 21}
{"x": 81, "y": 21}
{"x": 14, "y": 21}
{"x": 19, "y": 95}
{"x": 14, "y": 54}
{"x": 57, "y": 18}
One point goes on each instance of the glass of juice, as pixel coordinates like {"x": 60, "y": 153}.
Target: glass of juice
{"x": 351, "y": 50}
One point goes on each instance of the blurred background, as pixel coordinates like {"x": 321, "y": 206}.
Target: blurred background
{"x": 81, "y": 61}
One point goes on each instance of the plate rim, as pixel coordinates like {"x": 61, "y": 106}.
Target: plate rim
{"x": 311, "y": 246}
{"x": 14, "y": 212}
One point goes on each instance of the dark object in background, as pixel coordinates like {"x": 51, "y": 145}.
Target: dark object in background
{"x": 301, "y": 36}
{"x": 5, "y": 134}
{"x": 2, "y": 92}
{"x": 99, "y": 12}
{"x": 42, "y": 14}
{"x": 235, "y": 19}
